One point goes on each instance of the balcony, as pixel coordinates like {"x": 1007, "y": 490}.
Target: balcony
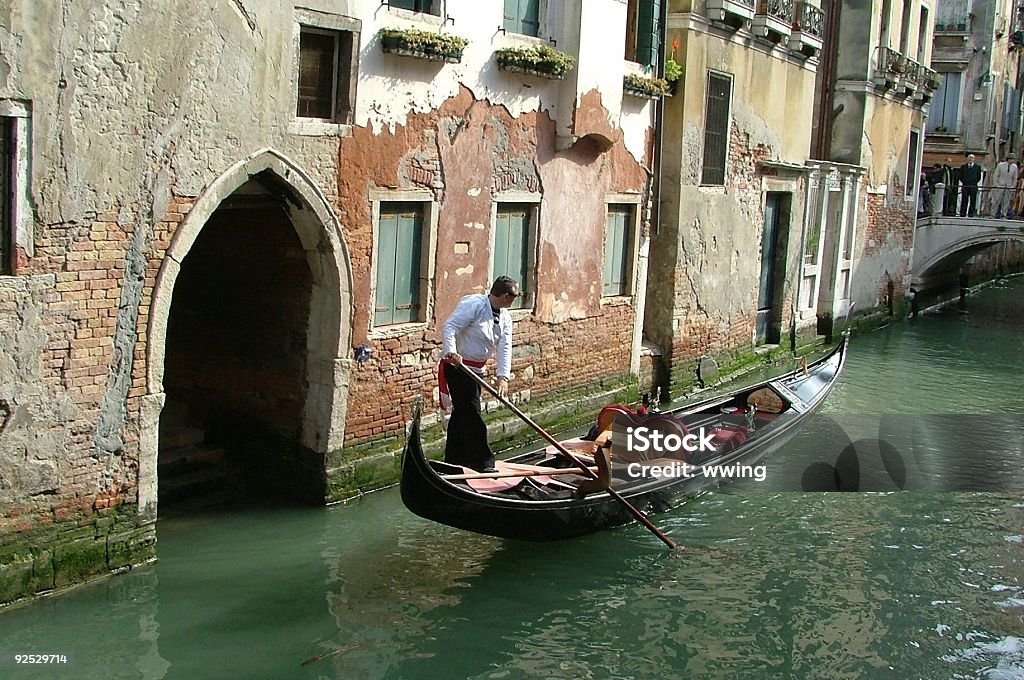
{"x": 808, "y": 30}
{"x": 736, "y": 13}
{"x": 773, "y": 20}
{"x": 953, "y": 25}
{"x": 904, "y": 76}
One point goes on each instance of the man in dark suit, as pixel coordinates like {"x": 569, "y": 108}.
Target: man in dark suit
{"x": 970, "y": 177}
{"x": 952, "y": 187}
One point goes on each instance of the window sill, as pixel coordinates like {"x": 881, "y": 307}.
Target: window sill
{"x": 617, "y": 300}
{"x": 426, "y": 18}
{"x": 397, "y": 330}
{"x": 312, "y": 127}
{"x": 520, "y": 314}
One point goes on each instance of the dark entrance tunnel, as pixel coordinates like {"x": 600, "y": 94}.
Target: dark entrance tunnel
{"x": 235, "y": 364}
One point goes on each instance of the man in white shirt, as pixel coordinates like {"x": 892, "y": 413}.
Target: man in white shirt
{"x": 1004, "y": 180}
{"x": 479, "y": 327}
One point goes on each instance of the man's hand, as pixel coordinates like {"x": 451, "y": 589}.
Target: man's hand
{"x": 453, "y": 357}
{"x": 503, "y": 387}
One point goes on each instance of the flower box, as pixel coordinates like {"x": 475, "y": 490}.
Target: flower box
{"x": 537, "y": 60}
{"x": 422, "y": 44}
{"x": 642, "y": 86}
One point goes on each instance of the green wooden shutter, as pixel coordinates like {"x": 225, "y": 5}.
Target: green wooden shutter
{"x": 414, "y": 5}
{"x": 617, "y": 243}
{"x": 399, "y": 247}
{"x": 522, "y": 16}
{"x": 647, "y": 30}
{"x": 511, "y": 245}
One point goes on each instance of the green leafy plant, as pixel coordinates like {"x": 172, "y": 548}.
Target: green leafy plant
{"x": 539, "y": 59}
{"x": 414, "y": 42}
{"x": 644, "y": 86}
{"x": 673, "y": 71}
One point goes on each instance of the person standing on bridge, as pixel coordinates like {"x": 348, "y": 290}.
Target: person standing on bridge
{"x": 952, "y": 188}
{"x": 1004, "y": 180}
{"x": 970, "y": 178}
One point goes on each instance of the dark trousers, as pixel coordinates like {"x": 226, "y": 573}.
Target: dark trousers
{"x": 466, "y": 444}
{"x": 950, "y": 200}
{"x": 968, "y": 204}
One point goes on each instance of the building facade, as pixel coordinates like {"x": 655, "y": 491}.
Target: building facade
{"x": 976, "y": 109}
{"x": 873, "y": 94}
{"x": 725, "y": 278}
{"x": 234, "y": 229}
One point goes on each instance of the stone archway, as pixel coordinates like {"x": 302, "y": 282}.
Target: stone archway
{"x": 328, "y": 330}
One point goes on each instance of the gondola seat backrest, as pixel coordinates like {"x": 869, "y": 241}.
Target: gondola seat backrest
{"x": 634, "y": 449}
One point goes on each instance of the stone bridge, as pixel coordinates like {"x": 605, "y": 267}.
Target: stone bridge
{"x": 942, "y": 245}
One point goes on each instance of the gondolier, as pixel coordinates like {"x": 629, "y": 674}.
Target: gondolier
{"x": 479, "y": 327}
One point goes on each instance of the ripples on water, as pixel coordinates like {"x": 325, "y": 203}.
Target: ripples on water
{"x": 772, "y": 583}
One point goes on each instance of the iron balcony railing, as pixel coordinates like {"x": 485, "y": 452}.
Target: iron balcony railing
{"x": 894, "y": 65}
{"x": 812, "y": 20}
{"x": 778, "y": 9}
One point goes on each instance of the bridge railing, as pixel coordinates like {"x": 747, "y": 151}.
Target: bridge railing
{"x": 985, "y": 200}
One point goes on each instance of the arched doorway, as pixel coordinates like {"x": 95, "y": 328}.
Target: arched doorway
{"x": 248, "y": 329}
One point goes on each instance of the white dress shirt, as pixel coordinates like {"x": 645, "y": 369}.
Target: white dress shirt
{"x": 472, "y": 332}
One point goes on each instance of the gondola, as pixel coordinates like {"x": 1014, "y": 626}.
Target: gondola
{"x": 537, "y": 496}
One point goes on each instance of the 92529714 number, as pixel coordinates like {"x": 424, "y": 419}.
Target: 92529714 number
{"x": 40, "y": 658}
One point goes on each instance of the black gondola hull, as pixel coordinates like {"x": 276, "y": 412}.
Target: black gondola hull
{"x": 428, "y": 495}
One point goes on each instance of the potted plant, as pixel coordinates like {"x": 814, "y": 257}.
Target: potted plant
{"x": 644, "y": 86}
{"x": 411, "y": 42}
{"x": 673, "y": 71}
{"x": 538, "y": 60}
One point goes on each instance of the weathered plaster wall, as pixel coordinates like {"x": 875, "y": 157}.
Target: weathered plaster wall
{"x": 468, "y": 154}
{"x": 706, "y": 262}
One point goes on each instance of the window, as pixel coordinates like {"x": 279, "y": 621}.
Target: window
{"x": 883, "y": 32}
{"x": 522, "y": 16}
{"x": 905, "y": 29}
{"x": 425, "y": 6}
{"x": 512, "y": 238}
{"x": 922, "y": 36}
{"x": 618, "y": 250}
{"x": 8, "y": 172}
{"x": 399, "y": 264}
{"x": 912, "y": 163}
{"x": 944, "y": 115}
{"x": 642, "y": 31}
{"x": 716, "y": 130}
{"x": 326, "y": 65}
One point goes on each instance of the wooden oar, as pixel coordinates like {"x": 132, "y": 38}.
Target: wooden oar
{"x": 550, "y": 472}
{"x": 641, "y": 517}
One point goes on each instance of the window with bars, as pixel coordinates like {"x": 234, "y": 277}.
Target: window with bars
{"x": 618, "y": 250}
{"x": 512, "y": 238}
{"x": 397, "y": 298}
{"x": 326, "y": 65}
{"x": 716, "y": 130}
{"x": 8, "y": 172}
{"x": 522, "y": 16}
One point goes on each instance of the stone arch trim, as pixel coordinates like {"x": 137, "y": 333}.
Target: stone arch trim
{"x": 329, "y": 332}
{"x": 964, "y": 244}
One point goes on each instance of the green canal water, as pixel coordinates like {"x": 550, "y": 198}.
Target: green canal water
{"x": 774, "y": 582}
